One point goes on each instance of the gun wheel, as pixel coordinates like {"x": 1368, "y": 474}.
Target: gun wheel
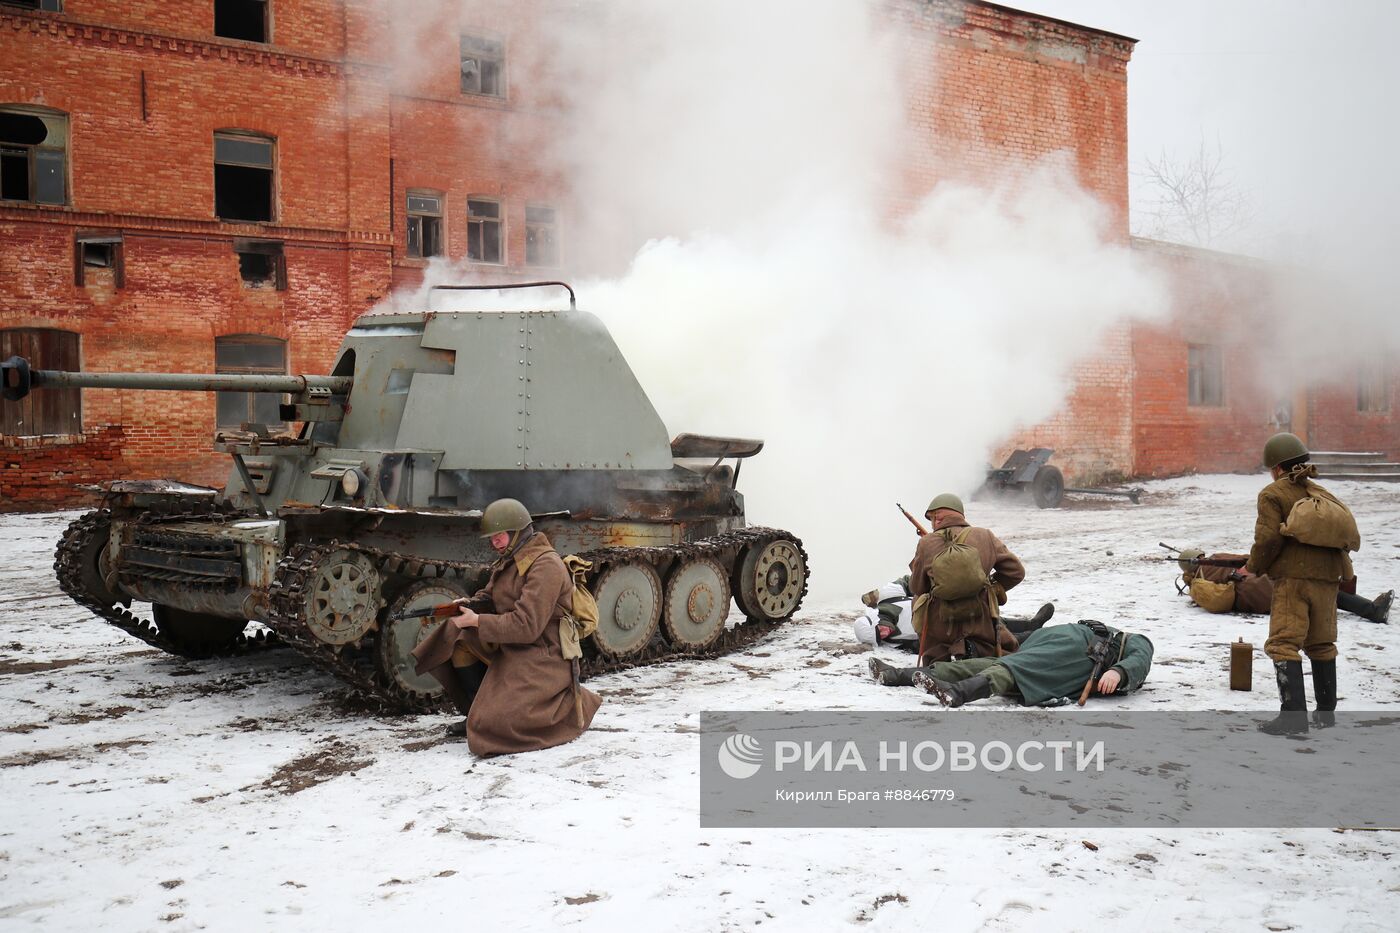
{"x": 398, "y": 637}
{"x": 1048, "y": 487}
{"x": 697, "y": 603}
{"x": 629, "y": 608}
{"x": 343, "y": 600}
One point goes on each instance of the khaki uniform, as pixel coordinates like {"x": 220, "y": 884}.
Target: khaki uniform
{"x": 527, "y": 699}
{"x": 1303, "y": 616}
{"x": 939, "y": 641}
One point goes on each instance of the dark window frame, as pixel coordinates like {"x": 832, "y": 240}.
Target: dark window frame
{"x": 421, "y": 221}
{"x": 37, "y": 155}
{"x": 266, "y": 22}
{"x": 51, "y": 411}
{"x": 479, "y": 225}
{"x": 275, "y": 249}
{"x": 113, "y": 239}
{"x": 250, "y": 399}
{"x": 37, "y": 6}
{"x": 1205, "y": 375}
{"x": 535, "y": 228}
{"x": 243, "y": 163}
{"x": 489, "y": 58}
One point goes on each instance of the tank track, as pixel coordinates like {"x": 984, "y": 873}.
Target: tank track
{"x": 357, "y": 668}
{"x": 68, "y": 569}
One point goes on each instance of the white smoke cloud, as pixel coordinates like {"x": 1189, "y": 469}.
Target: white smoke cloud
{"x": 747, "y": 156}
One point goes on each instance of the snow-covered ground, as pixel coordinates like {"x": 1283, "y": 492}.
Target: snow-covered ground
{"x": 144, "y": 792}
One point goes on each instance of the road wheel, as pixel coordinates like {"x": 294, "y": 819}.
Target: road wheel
{"x": 629, "y": 608}
{"x": 398, "y": 638}
{"x": 697, "y": 603}
{"x": 772, "y": 579}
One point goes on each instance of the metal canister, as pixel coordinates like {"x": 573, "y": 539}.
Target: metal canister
{"x": 1241, "y": 666}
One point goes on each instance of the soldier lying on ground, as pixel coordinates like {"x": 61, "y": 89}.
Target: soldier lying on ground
{"x": 888, "y": 620}
{"x": 1226, "y": 589}
{"x": 503, "y": 669}
{"x": 1051, "y": 668}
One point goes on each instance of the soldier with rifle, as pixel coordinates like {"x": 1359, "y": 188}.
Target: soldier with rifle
{"x": 1054, "y": 667}
{"x": 499, "y": 656}
{"x": 1219, "y": 583}
{"x": 958, "y": 579}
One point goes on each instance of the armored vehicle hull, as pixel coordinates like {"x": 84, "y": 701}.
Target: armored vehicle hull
{"x": 372, "y": 507}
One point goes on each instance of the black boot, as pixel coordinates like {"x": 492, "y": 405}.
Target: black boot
{"x": 1324, "y": 676}
{"x": 467, "y": 682}
{"x": 891, "y": 676}
{"x": 1293, "y": 704}
{"x": 1372, "y": 610}
{"x": 1023, "y": 627}
{"x": 954, "y": 695}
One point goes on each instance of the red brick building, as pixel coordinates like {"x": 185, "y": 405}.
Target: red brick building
{"x": 225, "y": 186}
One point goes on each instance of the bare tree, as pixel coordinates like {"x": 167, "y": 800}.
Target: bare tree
{"x": 1194, "y": 199}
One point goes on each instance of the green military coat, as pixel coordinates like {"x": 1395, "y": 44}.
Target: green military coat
{"x": 1054, "y": 662}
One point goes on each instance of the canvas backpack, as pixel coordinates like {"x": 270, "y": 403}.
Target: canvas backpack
{"x": 1321, "y": 520}
{"x": 1213, "y": 597}
{"x": 958, "y": 582}
{"x": 581, "y": 620}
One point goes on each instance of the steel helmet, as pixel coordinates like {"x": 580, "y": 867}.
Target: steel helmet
{"x": 1283, "y": 447}
{"x": 504, "y": 515}
{"x": 944, "y": 500}
{"x": 1184, "y": 558}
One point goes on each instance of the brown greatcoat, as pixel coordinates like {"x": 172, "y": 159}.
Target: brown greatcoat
{"x": 526, "y": 701}
{"x": 938, "y": 641}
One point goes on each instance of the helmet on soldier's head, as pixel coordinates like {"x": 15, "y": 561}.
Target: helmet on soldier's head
{"x": 944, "y": 500}
{"x": 1184, "y": 558}
{"x": 1283, "y": 447}
{"x": 504, "y": 515}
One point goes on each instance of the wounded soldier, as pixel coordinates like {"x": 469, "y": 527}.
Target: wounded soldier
{"x": 888, "y": 619}
{"x": 1052, "y": 668}
{"x": 1232, "y": 589}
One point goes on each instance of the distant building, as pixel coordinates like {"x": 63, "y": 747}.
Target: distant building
{"x": 225, "y": 186}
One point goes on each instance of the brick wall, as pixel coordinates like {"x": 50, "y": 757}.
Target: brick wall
{"x": 41, "y": 472}
{"x": 991, "y": 89}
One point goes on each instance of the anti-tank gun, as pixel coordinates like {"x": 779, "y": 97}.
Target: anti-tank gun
{"x": 371, "y": 510}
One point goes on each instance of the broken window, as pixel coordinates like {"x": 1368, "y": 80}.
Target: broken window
{"x": 241, "y": 19}
{"x": 424, "y": 225}
{"x": 243, "y": 178}
{"x": 33, "y": 155}
{"x": 483, "y": 67}
{"x": 48, "y": 6}
{"x": 250, "y": 355}
{"x": 484, "y": 233}
{"x": 541, "y": 236}
{"x": 51, "y": 411}
{"x": 98, "y": 258}
{"x": 1371, "y": 386}
{"x": 261, "y": 263}
{"x": 1205, "y": 375}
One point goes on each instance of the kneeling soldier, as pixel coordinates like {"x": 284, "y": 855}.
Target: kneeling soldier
{"x": 504, "y": 670}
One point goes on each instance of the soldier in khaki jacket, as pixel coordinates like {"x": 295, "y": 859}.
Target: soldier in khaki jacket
{"x": 1303, "y": 615}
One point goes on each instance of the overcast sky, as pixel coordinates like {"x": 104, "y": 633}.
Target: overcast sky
{"x": 1299, "y": 94}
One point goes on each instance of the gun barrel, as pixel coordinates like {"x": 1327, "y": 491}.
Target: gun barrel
{"x": 18, "y": 379}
